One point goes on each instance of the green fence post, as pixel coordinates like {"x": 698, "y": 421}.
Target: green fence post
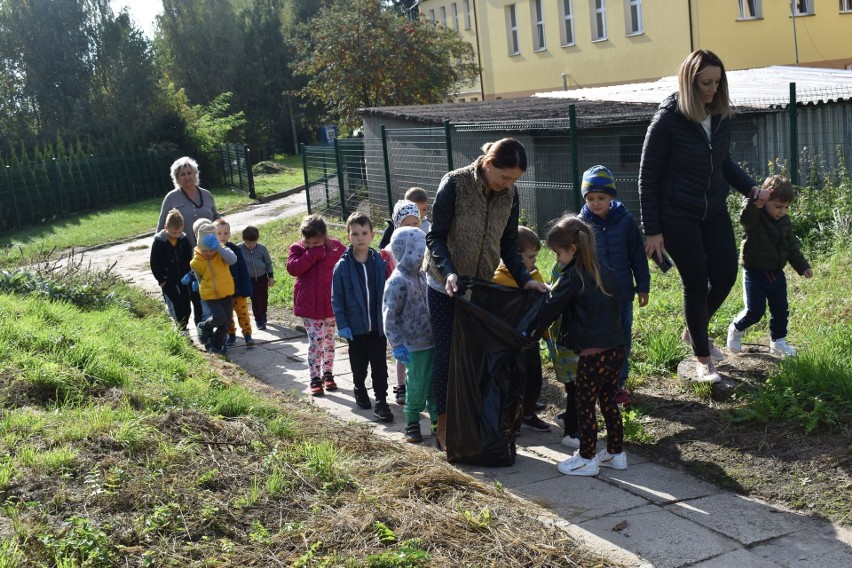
{"x": 250, "y": 174}
{"x": 575, "y": 166}
{"x": 305, "y": 169}
{"x": 794, "y": 136}
{"x": 449, "y": 142}
{"x": 14, "y": 199}
{"x": 340, "y": 178}
{"x": 387, "y": 168}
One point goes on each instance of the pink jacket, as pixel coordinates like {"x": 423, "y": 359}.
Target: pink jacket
{"x": 313, "y": 268}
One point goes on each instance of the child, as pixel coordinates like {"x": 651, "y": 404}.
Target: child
{"x": 621, "y": 248}
{"x": 259, "y": 265}
{"x": 419, "y": 196}
{"x": 242, "y": 285}
{"x": 356, "y": 296}
{"x": 312, "y": 261}
{"x": 211, "y": 264}
{"x": 586, "y": 297}
{"x": 768, "y": 245}
{"x": 408, "y": 327}
{"x": 565, "y": 368}
{"x": 405, "y": 214}
{"x": 170, "y": 256}
{"x": 530, "y": 245}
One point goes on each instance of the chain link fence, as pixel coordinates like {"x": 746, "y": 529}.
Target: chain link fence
{"x": 236, "y": 167}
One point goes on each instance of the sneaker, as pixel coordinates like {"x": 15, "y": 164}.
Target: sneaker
{"x": 715, "y": 353}
{"x": 578, "y": 465}
{"x": 232, "y": 339}
{"x": 261, "y": 326}
{"x": 535, "y": 423}
{"x": 382, "y": 411}
{"x": 781, "y": 348}
{"x": 560, "y": 419}
{"x": 316, "y": 387}
{"x": 570, "y": 441}
{"x": 735, "y": 339}
{"x": 328, "y": 379}
{"x": 622, "y": 396}
{"x": 399, "y": 391}
{"x": 249, "y": 340}
{"x": 412, "y": 433}
{"x": 362, "y": 399}
{"x": 205, "y": 336}
{"x": 614, "y": 461}
{"x": 706, "y": 373}
{"x": 539, "y": 406}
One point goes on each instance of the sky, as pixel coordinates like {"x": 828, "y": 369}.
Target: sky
{"x": 142, "y": 12}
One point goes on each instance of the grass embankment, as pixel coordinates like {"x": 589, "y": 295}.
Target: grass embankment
{"x": 121, "y": 444}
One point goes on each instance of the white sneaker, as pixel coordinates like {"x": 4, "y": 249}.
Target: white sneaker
{"x": 715, "y": 353}
{"x": 735, "y": 339}
{"x": 706, "y": 373}
{"x": 578, "y": 465}
{"x": 614, "y": 461}
{"x": 781, "y": 348}
{"x": 571, "y": 441}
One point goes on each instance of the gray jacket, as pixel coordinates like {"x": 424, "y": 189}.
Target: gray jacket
{"x": 258, "y": 260}
{"x": 404, "y": 309}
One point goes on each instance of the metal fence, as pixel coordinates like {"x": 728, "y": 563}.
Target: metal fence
{"x": 38, "y": 192}
{"x": 236, "y": 167}
{"x": 807, "y": 142}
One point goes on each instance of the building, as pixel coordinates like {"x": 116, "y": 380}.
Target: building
{"x": 528, "y": 46}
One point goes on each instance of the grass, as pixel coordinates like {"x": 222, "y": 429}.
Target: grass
{"x": 292, "y": 176}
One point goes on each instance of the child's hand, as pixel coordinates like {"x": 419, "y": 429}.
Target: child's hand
{"x": 400, "y": 353}
{"x": 345, "y": 333}
{"x": 211, "y": 241}
{"x": 195, "y": 285}
{"x": 535, "y": 285}
{"x": 643, "y": 299}
{"x": 187, "y": 278}
{"x": 809, "y": 273}
{"x": 271, "y": 282}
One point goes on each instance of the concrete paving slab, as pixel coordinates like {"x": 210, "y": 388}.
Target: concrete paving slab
{"x": 576, "y": 499}
{"x": 805, "y": 549}
{"x": 664, "y": 539}
{"x": 658, "y": 484}
{"x": 745, "y": 520}
{"x": 737, "y": 559}
{"x": 607, "y": 550}
{"x": 528, "y": 469}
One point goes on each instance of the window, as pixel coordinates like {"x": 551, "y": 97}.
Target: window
{"x": 804, "y": 7}
{"x": 750, "y": 10}
{"x": 539, "y": 43}
{"x": 633, "y": 17}
{"x": 846, "y": 5}
{"x": 467, "y": 14}
{"x": 598, "y": 11}
{"x": 566, "y": 14}
{"x": 444, "y": 16}
{"x": 455, "y": 12}
{"x": 432, "y": 16}
{"x": 512, "y": 30}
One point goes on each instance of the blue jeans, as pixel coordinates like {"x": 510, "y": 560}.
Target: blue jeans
{"x": 627, "y": 329}
{"x": 762, "y": 287}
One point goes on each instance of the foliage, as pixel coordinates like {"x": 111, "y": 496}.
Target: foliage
{"x": 82, "y": 545}
{"x": 85, "y": 289}
{"x": 361, "y": 54}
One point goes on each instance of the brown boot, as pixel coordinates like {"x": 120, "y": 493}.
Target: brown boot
{"x": 441, "y": 432}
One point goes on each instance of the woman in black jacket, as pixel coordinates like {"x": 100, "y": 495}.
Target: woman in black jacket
{"x": 684, "y": 179}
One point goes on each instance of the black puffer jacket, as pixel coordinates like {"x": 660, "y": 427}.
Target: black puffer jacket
{"x": 170, "y": 263}
{"x": 683, "y": 174}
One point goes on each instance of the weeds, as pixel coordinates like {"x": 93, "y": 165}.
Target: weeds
{"x": 634, "y": 426}
{"x": 81, "y": 545}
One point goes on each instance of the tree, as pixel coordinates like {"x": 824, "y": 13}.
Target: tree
{"x": 362, "y": 54}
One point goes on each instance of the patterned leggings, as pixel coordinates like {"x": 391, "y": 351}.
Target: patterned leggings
{"x": 320, "y": 345}
{"x": 597, "y": 376}
{"x": 241, "y": 307}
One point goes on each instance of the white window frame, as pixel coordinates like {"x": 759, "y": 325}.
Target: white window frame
{"x": 467, "y": 14}
{"x": 454, "y": 11}
{"x": 537, "y": 17}
{"x": 443, "y": 12}
{"x": 751, "y": 9}
{"x": 512, "y": 35}
{"x": 566, "y": 17}
{"x": 597, "y": 9}
{"x": 845, "y": 6}
{"x": 432, "y": 16}
{"x": 633, "y": 26}
{"x": 803, "y": 7}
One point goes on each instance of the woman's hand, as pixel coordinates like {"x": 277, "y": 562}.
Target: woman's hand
{"x": 760, "y": 196}
{"x": 535, "y": 285}
{"x": 452, "y": 284}
{"x": 654, "y": 246}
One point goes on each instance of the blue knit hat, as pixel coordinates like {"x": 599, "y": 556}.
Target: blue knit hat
{"x": 598, "y": 178}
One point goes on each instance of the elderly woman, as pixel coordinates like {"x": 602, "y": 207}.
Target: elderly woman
{"x": 474, "y": 226}
{"x": 684, "y": 179}
{"x": 193, "y": 203}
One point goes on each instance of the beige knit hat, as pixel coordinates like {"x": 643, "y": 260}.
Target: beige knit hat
{"x": 204, "y": 230}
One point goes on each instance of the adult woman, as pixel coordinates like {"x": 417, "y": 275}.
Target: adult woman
{"x": 684, "y": 180}
{"x": 474, "y": 225}
{"x": 193, "y": 203}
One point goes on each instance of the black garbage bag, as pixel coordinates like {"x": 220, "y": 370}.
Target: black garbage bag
{"x": 488, "y": 371}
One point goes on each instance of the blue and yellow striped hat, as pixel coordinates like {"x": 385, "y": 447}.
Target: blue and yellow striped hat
{"x": 598, "y": 178}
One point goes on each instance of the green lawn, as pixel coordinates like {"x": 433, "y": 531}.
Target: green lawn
{"x": 293, "y": 176}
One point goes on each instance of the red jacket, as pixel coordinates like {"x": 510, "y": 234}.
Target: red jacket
{"x": 313, "y": 268}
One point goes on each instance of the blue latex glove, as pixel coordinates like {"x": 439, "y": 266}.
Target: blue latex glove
{"x": 400, "y": 353}
{"x": 345, "y": 333}
{"x": 211, "y": 241}
{"x": 187, "y": 278}
{"x": 551, "y": 350}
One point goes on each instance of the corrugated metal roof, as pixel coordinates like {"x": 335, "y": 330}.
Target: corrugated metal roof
{"x": 758, "y": 88}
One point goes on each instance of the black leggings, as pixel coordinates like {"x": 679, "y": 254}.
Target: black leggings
{"x": 705, "y": 254}
{"x": 597, "y": 377}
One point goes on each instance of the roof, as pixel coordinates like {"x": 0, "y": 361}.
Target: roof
{"x": 765, "y": 87}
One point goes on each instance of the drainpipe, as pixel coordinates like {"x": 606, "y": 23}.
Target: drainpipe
{"x": 478, "y": 52}
{"x": 691, "y": 33}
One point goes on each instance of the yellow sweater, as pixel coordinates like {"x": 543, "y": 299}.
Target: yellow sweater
{"x": 503, "y": 277}
{"x": 214, "y": 276}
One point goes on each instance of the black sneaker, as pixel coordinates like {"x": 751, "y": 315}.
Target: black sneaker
{"x": 362, "y": 399}
{"x": 382, "y": 411}
{"x": 412, "y": 433}
{"x": 399, "y": 391}
{"x": 535, "y": 423}
{"x": 539, "y": 406}
{"x": 232, "y": 339}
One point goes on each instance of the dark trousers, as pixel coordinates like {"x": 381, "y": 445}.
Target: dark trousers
{"x": 370, "y": 349}
{"x": 259, "y": 298}
{"x": 178, "y": 302}
{"x": 197, "y": 309}
{"x": 532, "y": 389}
{"x": 759, "y": 288}
{"x": 442, "y": 312}
{"x": 705, "y": 254}
{"x": 597, "y": 376}
{"x": 571, "y": 426}
{"x": 220, "y": 319}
